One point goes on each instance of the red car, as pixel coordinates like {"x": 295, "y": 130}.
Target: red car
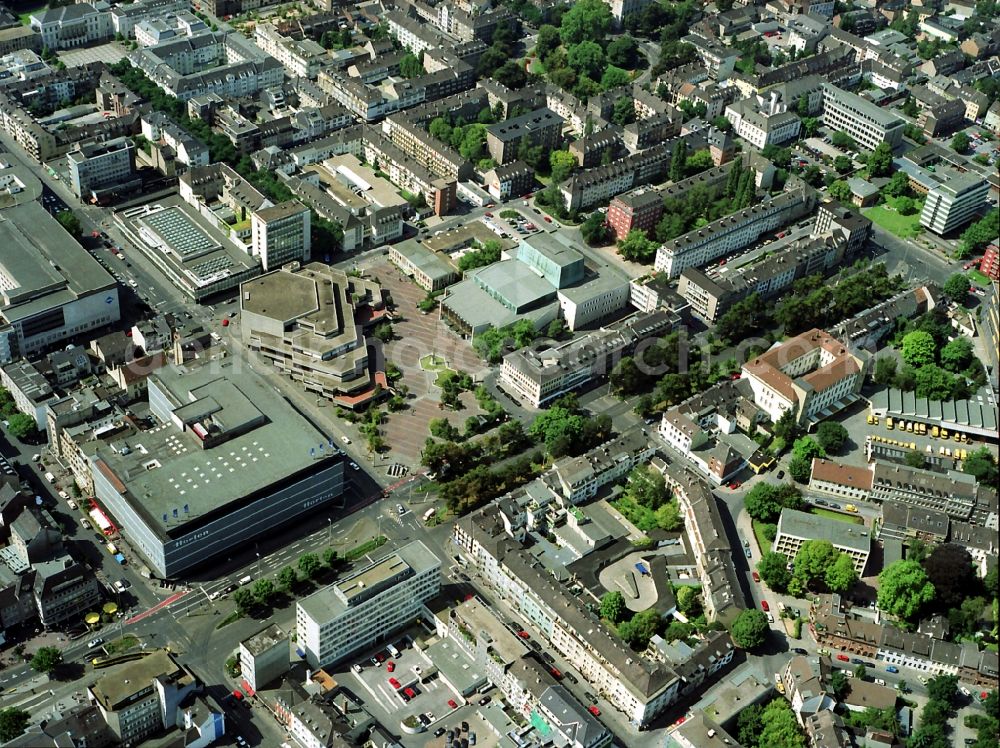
{"x": 390, "y": 666}
{"x": 594, "y": 710}
{"x": 225, "y": 323}
{"x": 524, "y": 634}
{"x": 556, "y": 673}
{"x": 380, "y": 656}
{"x": 547, "y": 219}
{"x": 488, "y": 214}
{"x": 409, "y": 692}
{"x": 452, "y": 704}
{"x": 394, "y": 683}
{"x": 723, "y": 260}
{"x": 756, "y": 577}
{"x": 764, "y": 606}
{"x": 843, "y": 658}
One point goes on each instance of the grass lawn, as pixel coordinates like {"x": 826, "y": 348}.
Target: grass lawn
{"x": 979, "y": 279}
{"x": 443, "y": 375}
{"x": 850, "y": 519}
{"x": 763, "y": 544}
{"x": 25, "y": 15}
{"x": 905, "y": 227}
{"x": 433, "y": 362}
{"x": 120, "y": 646}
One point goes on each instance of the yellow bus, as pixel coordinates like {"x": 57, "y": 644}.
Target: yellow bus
{"x": 888, "y": 422}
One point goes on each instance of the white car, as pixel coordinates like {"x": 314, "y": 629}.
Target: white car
{"x": 345, "y": 440}
{"x": 354, "y": 466}
{"x": 95, "y": 643}
{"x": 356, "y": 667}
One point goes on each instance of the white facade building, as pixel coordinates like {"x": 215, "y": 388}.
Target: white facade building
{"x": 867, "y": 123}
{"x": 370, "y": 604}
{"x": 955, "y": 201}
{"x": 281, "y": 234}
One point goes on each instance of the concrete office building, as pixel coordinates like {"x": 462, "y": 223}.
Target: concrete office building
{"x": 227, "y": 461}
{"x": 813, "y": 374}
{"x": 70, "y": 26}
{"x": 538, "y": 374}
{"x": 281, "y": 234}
{"x": 100, "y": 169}
{"x": 955, "y": 201}
{"x": 264, "y": 657}
{"x": 367, "y": 606}
{"x": 953, "y": 493}
{"x": 51, "y": 288}
{"x": 309, "y": 323}
{"x": 541, "y": 127}
{"x": 864, "y": 121}
{"x": 795, "y": 528}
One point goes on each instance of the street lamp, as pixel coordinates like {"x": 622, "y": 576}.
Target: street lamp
{"x": 258, "y": 563}
{"x": 329, "y": 529}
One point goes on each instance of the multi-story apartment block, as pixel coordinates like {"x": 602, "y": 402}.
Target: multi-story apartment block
{"x": 539, "y": 375}
{"x": 64, "y": 590}
{"x": 368, "y": 605}
{"x": 159, "y": 128}
{"x": 640, "y": 209}
{"x": 867, "y": 123}
{"x": 733, "y": 232}
{"x": 69, "y": 26}
{"x": 812, "y": 374}
{"x": 843, "y": 481}
{"x": 956, "y": 200}
{"x": 281, "y": 233}
{"x": 221, "y": 62}
{"x": 541, "y": 127}
{"x": 301, "y": 58}
{"x": 763, "y": 121}
{"x": 125, "y": 17}
{"x": 580, "y": 478}
{"x": 437, "y": 157}
{"x": 99, "y": 168}
{"x": 140, "y": 699}
{"x": 309, "y": 322}
{"x": 795, "y": 528}
{"x": 990, "y": 264}
{"x": 509, "y": 180}
{"x": 953, "y": 493}
{"x": 18, "y": 38}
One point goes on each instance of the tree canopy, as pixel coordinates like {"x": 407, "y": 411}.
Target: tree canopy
{"x": 749, "y": 629}
{"x": 949, "y": 568}
{"x": 919, "y": 348}
{"x": 831, "y": 436}
{"x": 46, "y": 659}
{"x": 904, "y": 589}
{"x": 765, "y": 501}
{"x": 13, "y": 722}
{"x": 773, "y": 570}
{"x": 613, "y": 606}
{"x": 637, "y": 247}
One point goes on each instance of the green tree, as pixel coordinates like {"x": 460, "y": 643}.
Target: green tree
{"x": 841, "y": 139}
{"x": 813, "y": 560}
{"x": 840, "y": 190}
{"x": 831, "y": 436}
{"x": 906, "y": 206}
{"x": 586, "y": 20}
{"x": 779, "y": 728}
{"x": 383, "y": 332}
{"x": 748, "y": 725}
{"x": 547, "y": 41}
{"x": 595, "y": 230}
{"x": 773, "y": 570}
{"x": 21, "y": 426}
{"x": 897, "y": 186}
{"x": 918, "y": 348}
{"x": 981, "y": 233}
{"x": 46, "y": 659}
{"x": 614, "y": 77}
{"x": 13, "y": 722}
{"x": 934, "y": 383}
{"x": 562, "y": 163}
{"x": 613, "y": 606}
{"x": 839, "y": 684}
{"x": 807, "y": 448}
{"x": 637, "y": 247}
{"x": 688, "y": 601}
{"x": 885, "y": 370}
{"x": 749, "y": 629}
{"x": 586, "y": 58}
{"x": 287, "y": 578}
{"x": 330, "y": 557}
{"x": 410, "y": 66}
{"x": 957, "y": 354}
{"x": 943, "y": 688}
{"x": 623, "y": 51}
{"x": 640, "y": 629}
{"x": 880, "y": 161}
{"x": 841, "y": 576}
{"x": 623, "y": 111}
{"x": 243, "y": 598}
{"x": 309, "y": 564}
{"x": 810, "y": 125}
{"x": 960, "y": 142}
{"x": 698, "y": 162}
{"x": 860, "y": 672}
{"x": 512, "y": 75}
{"x": 982, "y": 465}
{"x": 678, "y": 158}
{"x": 904, "y": 589}
{"x": 263, "y": 591}
{"x": 957, "y": 287}
{"x": 70, "y": 222}
{"x": 842, "y": 164}
{"x": 800, "y": 469}
{"x": 787, "y": 426}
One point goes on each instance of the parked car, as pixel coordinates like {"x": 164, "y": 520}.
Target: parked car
{"x": 95, "y": 643}
{"x": 594, "y": 710}
{"x": 764, "y": 606}
{"x": 439, "y": 732}
{"x": 800, "y": 651}
{"x": 756, "y": 577}
{"x": 390, "y": 666}
{"x": 452, "y": 703}
{"x": 891, "y": 669}
{"x": 843, "y": 658}
{"x": 484, "y": 701}
{"x": 356, "y": 667}
{"x": 857, "y": 661}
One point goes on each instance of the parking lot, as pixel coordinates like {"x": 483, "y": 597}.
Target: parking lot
{"x": 405, "y": 685}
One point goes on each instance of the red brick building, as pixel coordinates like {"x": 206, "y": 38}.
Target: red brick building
{"x": 990, "y": 264}
{"x": 634, "y": 210}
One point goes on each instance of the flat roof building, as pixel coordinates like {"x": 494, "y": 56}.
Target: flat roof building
{"x": 795, "y": 528}
{"x": 101, "y": 170}
{"x": 956, "y": 199}
{"x": 50, "y": 287}
{"x": 227, "y": 462}
{"x": 367, "y": 605}
{"x": 867, "y": 123}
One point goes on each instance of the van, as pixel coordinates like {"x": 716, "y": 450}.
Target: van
{"x": 909, "y": 427}
{"x": 934, "y": 431}
{"x": 50, "y": 477}
{"x": 871, "y": 420}
{"x": 888, "y": 422}
{"x": 245, "y": 580}
{"x": 392, "y": 650}
{"x": 72, "y": 504}
{"x": 63, "y": 495}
